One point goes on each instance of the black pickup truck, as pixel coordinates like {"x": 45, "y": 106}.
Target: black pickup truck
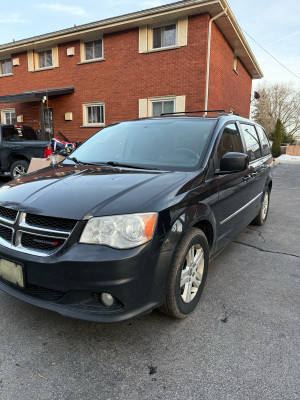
{"x": 18, "y": 144}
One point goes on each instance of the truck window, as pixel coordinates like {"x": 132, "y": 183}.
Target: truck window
{"x": 12, "y": 133}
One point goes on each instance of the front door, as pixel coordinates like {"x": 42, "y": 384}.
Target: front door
{"x": 48, "y": 123}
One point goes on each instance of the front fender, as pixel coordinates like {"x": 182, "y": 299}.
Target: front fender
{"x": 186, "y": 220}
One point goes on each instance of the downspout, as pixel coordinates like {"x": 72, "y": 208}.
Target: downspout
{"x": 208, "y": 57}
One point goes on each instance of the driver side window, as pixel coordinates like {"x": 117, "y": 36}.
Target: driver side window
{"x": 230, "y": 142}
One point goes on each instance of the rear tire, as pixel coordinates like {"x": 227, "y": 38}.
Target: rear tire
{"x": 187, "y": 275}
{"x": 18, "y": 168}
{"x": 261, "y": 217}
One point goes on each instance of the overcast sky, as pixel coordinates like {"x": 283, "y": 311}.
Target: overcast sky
{"x": 274, "y": 24}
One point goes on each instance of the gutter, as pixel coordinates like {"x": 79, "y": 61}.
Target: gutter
{"x": 208, "y": 58}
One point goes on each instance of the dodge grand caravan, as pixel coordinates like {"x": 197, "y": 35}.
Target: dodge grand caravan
{"x": 129, "y": 222}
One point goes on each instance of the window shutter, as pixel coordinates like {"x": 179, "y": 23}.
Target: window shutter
{"x": 143, "y": 109}
{"x": 143, "y": 39}
{"x": 30, "y": 60}
{"x": 55, "y": 56}
{"x": 180, "y": 104}
{"x": 182, "y": 31}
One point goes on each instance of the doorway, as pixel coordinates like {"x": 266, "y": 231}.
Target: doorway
{"x": 48, "y": 123}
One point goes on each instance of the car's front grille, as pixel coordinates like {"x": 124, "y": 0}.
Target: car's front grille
{"x": 60, "y": 224}
{"x": 40, "y": 242}
{"x": 42, "y": 293}
{"x": 7, "y": 213}
{"x": 34, "y": 234}
{"x": 6, "y": 233}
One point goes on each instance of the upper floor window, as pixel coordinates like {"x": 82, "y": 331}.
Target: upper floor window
{"x": 8, "y": 116}
{"x": 42, "y": 59}
{"x": 6, "y": 67}
{"x": 170, "y": 35}
{"x": 45, "y": 59}
{"x": 93, "y": 114}
{"x": 93, "y": 49}
{"x": 164, "y": 36}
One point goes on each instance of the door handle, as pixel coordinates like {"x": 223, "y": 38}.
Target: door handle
{"x": 246, "y": 177}
{"x": 254, "y": 173}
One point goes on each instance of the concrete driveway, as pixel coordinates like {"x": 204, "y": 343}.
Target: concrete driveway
{"x": 241, "y": 343}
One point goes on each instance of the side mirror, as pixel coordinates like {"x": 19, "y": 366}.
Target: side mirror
{"x": 233, "y": 162}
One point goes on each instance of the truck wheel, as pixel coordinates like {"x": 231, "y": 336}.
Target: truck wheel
{"x": 18, "y": 168}
{"x": 187, "y": 275}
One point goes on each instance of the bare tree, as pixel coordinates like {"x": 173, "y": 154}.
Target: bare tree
{"x": 278, "y": 101}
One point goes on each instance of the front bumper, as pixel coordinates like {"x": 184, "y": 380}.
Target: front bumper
{"x": 70, "y": 282}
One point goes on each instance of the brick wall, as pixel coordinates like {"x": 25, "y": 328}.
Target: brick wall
{"x": 125, "y": 76}
{"x": 227, "y": 89}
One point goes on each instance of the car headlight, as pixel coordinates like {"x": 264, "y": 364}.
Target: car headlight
{"x": 120, "y": 231}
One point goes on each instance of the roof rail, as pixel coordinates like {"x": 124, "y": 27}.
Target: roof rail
{"x": 193, "y": 112}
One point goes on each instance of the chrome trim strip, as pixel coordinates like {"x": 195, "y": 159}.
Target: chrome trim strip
{"x": 9, "y": 221}
{"x": 23, "y": 224}
{"x": 241, "y": 209}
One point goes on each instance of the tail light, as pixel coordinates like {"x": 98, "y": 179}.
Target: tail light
{"x": 47, "y": 151}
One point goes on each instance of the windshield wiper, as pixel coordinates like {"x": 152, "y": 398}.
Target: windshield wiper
{"x": 117, "y": 164}
{"x": 77, "y": 161}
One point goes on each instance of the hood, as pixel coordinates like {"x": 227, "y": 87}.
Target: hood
{"x": 76, "y": 192}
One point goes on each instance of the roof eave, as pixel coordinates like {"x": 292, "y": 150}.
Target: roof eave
{"x": 234, "y": 33}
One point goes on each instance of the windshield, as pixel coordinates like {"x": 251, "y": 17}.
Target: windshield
{"x": 175, "y": 144}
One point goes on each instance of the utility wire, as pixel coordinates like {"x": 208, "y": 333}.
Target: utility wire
{"x": 271, "y": 55}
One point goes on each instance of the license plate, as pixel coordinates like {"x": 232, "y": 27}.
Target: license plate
{"x": 11, "y": 272}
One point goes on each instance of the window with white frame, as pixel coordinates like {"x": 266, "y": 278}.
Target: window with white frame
{"x": 155, "y": 106}
{"x": 93, "y": 114}
{"x": 164, "y": 36}
{"x": 159, "y": 107}
{"x": 93, "y": 49}
{"x": 6, "y": 67}
{"x": 45, "y": 59}
{"x": 8, "y": 116}
{"x": 42, "y": 59}
{"x": 167, "y": 36}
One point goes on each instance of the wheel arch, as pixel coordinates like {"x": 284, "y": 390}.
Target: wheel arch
{"x": 199, "y": 216}
{"x": 17, "y": 157}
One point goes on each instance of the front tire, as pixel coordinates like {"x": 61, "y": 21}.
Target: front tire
{"x": 18, "y": 168}
{"x": 261, "y": 217}
{"x": 187, "y": 275}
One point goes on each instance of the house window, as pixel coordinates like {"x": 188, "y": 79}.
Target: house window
{"x": 162, "y": 107}
{"x": 41, "y": 59}
{"x": 8, "y": 116}
{"x": 93, "y": 49}
{"x": 45, "y": 59}
{"x": 167, "y": 36}
{"x": 164, "y": 36}
{"x": 93, "y": 114}
{"x": 6, "y": 67}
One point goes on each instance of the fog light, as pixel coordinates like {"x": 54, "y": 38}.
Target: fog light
{"x": 107, "y": 299}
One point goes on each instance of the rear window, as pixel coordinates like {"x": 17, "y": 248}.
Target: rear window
{"x": 18, "y": 133}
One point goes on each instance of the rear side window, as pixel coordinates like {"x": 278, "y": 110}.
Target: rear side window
{"x": 13, "y": 133}
{"x": 252, "y": 142}
{"x": 230, "y": 142}
{"x": 9, "y": 134}
{"x": 263, "y": 140}
{"x": 29, "y": 133}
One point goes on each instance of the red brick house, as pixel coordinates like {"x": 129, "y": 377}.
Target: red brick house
{"x": 189, "y": 55}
